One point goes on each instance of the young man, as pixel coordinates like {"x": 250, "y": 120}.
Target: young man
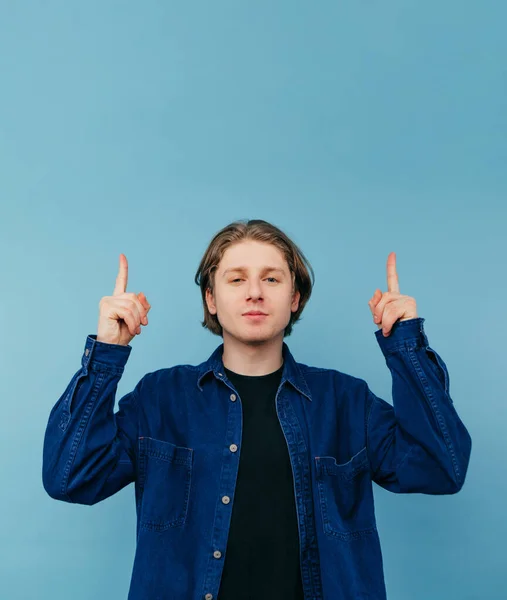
{"x": 253, "y": 472}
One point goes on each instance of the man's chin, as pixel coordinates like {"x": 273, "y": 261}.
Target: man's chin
{"x": 255, "y": 337}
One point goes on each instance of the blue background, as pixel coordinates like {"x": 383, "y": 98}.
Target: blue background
{"x": 358, "y": 127}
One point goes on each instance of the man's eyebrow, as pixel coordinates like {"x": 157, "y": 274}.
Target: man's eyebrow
{"x": 244, "y": 269}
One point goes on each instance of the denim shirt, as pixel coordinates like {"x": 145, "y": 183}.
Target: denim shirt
{"x": 177, "y": 435}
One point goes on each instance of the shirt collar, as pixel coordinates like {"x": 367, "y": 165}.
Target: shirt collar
{"x": 291, "y": 371}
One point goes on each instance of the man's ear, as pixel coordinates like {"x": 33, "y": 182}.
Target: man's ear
{"x": 210, "y": 302}
{"x": 295, "y": 301}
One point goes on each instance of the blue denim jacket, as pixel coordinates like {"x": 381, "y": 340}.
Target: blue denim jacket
{"x": 177, "y": 436}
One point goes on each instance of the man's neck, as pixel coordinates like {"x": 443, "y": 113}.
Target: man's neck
{"x": 252, "y": 359}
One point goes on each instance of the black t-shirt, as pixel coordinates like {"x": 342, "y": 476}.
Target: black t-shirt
{"x": 262, "y": 556}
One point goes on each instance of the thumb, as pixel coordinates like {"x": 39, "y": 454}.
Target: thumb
{"x": 377, "y": 296}
{"x": 144, "y": 301}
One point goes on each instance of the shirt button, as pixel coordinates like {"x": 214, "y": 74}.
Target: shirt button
{"x": 209, "y": 597}
{"x": 220, "y": 375}
{"x": 232, "y": 397}
{"x": 226, "y": 499}
{"x": 217, "y": 554}
{"x": 233, "y": 447}
{"x": 87, "y": 351}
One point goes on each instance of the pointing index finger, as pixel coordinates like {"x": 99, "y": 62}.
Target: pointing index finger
{"x": 392, "y": 276}
{"x": 122, "y": 277}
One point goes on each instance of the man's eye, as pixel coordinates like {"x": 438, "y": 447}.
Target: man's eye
{"x": 238, "y": 279}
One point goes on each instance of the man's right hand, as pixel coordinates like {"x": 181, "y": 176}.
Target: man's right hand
{"x": 122, "y": 314}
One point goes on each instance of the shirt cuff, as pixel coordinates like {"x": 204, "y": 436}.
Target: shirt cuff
{"x": 114, "y": 356}
{"x": 411, "y": 330}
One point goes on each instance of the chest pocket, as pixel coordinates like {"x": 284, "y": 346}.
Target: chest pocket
{"x": 165, "y": 475}
{"x": 346, "y": 496}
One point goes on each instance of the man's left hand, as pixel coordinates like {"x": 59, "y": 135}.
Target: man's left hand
{"x": 391, "y": 306}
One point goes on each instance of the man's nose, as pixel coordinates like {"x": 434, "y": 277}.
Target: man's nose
{"x": 254, "y": 289}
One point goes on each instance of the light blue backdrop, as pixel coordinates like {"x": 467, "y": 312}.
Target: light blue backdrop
{"x": 358, "y": 127}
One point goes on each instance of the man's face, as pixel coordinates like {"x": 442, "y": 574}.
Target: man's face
{"x": 253, "y": 276}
